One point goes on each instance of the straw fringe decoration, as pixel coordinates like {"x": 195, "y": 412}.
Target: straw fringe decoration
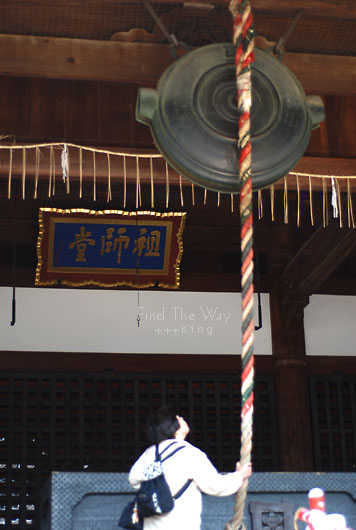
{"x": 338, "y": 195}
{"x": 167, "y": 185}
{"x": 348, "y": 204}
{"x": 326, "y": 209}
{"x": 311, "y": 202}
{"x": 271, "y": 189}
{"x": 139, "y": 181}
{"x": 285, "y": 201}
{"x": 125, "y": 178}
{"x": 24, "y": 173}
{"x": 50, "y": 173}
{"x": 298, "y": 209}
{"x": 109, "y": 197}
{"x": 10, "y": 175}
{"x": 52, "y": 170}
{"x": 80, "y": 173}
{"x": 350, "y": 212}
{"x": 94, "y": 177}
{"x": 152, "y": 186}
{"x": 37, "y": 171}
{"x": 343, "y": 184}
{"x": 67, "y": 170}
{"x": 324, "y": 203}
{"x": 138, "y": 184}
{"x": 260, "y": 204}
{"x": 181, "y": 191}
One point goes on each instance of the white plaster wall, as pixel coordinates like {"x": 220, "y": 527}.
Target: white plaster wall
{"x": 330, "y": 325}
{"x": 170, "y": 322}
{"x": 106, "y": 321}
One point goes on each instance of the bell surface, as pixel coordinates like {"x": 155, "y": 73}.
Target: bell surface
{"x": 194, "y": 119}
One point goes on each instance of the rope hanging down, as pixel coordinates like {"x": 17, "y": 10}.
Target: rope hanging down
{"x": 243, "y": 37}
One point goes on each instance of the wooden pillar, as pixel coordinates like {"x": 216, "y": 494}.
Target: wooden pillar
{"x": 291, "y": 380}
{"x": 287, "y": 302}
{"x": 296, "y": 274}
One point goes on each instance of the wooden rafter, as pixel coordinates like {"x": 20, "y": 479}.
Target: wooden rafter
{"x": 318, "y": 258}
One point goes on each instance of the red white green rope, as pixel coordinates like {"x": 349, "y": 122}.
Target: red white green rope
{"x": 243, "y": 34}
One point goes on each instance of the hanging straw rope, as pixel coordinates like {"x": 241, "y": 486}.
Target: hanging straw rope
{"x": 243, "y": 38}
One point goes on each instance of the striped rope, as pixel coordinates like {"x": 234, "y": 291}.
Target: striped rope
{"x": 243, "y": 34}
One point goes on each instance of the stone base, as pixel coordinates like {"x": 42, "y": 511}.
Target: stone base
{"x": 94, "y": 501}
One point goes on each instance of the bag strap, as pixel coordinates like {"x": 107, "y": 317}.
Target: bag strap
{"x": 158, "y": 454}
{"x": 183, "y": 488}
{"x": 158, "y": 458}
{"x": 172, "y": 453}
{"x": 188, "y": 482}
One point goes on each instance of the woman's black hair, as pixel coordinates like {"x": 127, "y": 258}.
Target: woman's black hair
{"x": 162, "y": 425}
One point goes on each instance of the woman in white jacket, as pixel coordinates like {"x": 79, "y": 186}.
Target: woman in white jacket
{"x": 163, "y": 427}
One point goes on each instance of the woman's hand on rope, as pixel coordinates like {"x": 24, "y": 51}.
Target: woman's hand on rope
{"x": 245, "y": 470}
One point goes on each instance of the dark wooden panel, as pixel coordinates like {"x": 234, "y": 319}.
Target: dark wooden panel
{"x": 329, "y": 365}
{"x": 73, "y": 361}
{"x": 81, "y": 110}
{"x": 319, "y": 144}
{"x": 84, "y": 112}
{"x": 117, "y": 121}
{"x": 15, "y": 112}
{"x": 47, "y": 109}
{"x": 334, "y": 421}
{"x": 341, "y": 125}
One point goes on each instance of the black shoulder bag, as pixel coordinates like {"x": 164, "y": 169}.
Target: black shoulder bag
{"x": 154, "y": 496}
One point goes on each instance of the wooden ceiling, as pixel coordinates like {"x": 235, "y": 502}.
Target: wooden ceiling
{"x": 70, "y": 72}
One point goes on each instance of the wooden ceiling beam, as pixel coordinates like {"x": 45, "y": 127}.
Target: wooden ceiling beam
{"x": 143, "y": 64}
{"x": 81, "y": 59}
{"x": 221, "y": 282}
{"x": 332, "y": 8}
{"x": 323, "y": 74}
